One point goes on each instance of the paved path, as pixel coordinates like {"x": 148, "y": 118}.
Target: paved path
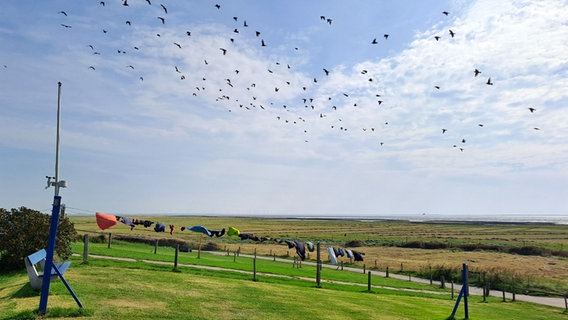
{"x": 554, "y": 302}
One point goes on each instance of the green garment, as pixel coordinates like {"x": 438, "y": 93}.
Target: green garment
{"x": 233, "y": 231}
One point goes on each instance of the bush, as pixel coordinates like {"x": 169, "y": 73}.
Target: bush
{"x": 25, "y": 231}
{"x": 354, "y": 244}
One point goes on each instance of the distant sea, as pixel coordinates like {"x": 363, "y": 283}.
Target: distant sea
{"x": 424, "y": 218}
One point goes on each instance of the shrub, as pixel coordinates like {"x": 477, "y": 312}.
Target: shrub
{"x": 354, "y": 244}
{"x": 24, "y": 231}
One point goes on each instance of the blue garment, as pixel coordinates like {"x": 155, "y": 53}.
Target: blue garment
{"x": 160, "y": 227}
{"x": 200, "y": 229}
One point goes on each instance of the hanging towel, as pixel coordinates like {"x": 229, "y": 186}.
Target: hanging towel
{"x": 105, "y": 221}
{"x": 331, "y": 255}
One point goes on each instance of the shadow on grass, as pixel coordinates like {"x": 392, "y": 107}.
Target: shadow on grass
{"x": 26, "y": 291}
{"x": 51, "y": 313}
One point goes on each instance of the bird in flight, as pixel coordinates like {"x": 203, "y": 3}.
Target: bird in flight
{"x": 165, "y": 9}
{"x": 452, "y": 33}
{"x": 531, "y": 109}
{"x": 65, "y": 25}
{"x": 476, "y": 72}
{"x": 63, "y": 13}
{"x": 374, "y": 41}
{"x": 223, "y": 50}
{"x": 445, "y": 13}
{"x": 489, "y": 83}
{"x": 162, "y": 19}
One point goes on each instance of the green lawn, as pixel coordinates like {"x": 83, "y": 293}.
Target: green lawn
{"x": 112, "y": 289}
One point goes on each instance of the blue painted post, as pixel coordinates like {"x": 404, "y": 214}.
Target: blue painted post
{"x": 466, "y": 291}
{"x": 49, "y": 256}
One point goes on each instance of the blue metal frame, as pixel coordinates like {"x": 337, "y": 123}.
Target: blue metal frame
{"x": 49, "y": 267}
{"x": 464, "y": 292}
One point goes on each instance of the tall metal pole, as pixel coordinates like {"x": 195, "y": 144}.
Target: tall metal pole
{"x": 54, "y": 220}
{"x": 57, "y": 139}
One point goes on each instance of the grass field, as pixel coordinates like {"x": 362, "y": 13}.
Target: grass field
{"x": 141, "y": 288}
{"x": 113, "y": 289}
{"x": 546, "y": 274}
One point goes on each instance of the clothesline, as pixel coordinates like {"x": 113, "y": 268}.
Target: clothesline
{"x": 105, "y": 221}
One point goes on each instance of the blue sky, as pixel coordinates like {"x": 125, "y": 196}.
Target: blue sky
{"x": 152, "y": 127}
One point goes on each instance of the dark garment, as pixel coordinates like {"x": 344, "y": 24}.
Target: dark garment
{"x": 341, "y": 253}
{"x": 300, "y": 250}
{"x": 217, "y": 233}
{"x": 160, "y": 227}
{"x": 249, "y": 236}
{"x": 336, "y": 251}
{"x": 310, "y": 246}
{"x": 358, "y": 255}
{"x": 291, "y": 244}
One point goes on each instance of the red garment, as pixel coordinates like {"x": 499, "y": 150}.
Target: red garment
{"x": 105, "y": 221}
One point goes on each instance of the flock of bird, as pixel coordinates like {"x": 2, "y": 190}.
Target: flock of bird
{"x": 253, "y": 97}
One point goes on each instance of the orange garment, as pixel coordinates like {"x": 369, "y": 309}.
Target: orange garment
{"x": 105, "y": 221}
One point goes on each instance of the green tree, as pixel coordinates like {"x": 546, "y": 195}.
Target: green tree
{"x": 24, "y": 231}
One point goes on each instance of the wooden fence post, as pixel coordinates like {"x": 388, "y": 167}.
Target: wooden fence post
{"x": 387, "y": 273}
{"x": 109, "y": 239}
{"x": 254, "y": 266}
{"x": 234, "y": 256}
{"x": 176, "y": 257}
{"x": 85, "y": 248}
{"x": 156, "y": 246}
{"x": 442, "y": 282}
{"x": 369, "y": 281}
{"x": 318, "y": 266}
{"x": 199, "y": 249}
{"x": 364, "y": 268}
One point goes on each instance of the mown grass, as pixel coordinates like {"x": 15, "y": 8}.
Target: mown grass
{"x": 166, "y": 254}
{"x": 111, "y": 289}
{"x": 382, "y": 241}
